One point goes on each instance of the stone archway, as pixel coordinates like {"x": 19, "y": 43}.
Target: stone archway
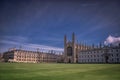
{"x": 69, "y": 61}
{"x": 106, "y": 59}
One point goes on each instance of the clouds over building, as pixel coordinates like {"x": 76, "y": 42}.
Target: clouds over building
{"x": 112, "y": 40}
{"x": 18, "y": 42}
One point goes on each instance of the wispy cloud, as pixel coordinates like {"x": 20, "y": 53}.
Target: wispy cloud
{"x": 16, "y": 41}
{"x": 51, "y": 39}
{"x": 8, "y": 39}
{"x": 9, "y": 42}
{"x": 43, "y": 47}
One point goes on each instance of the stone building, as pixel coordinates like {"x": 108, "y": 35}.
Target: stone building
{"x": 71, "y": 50}
{"x": 106, "y": 54}
{"x": 1, "y": 57}
{"x": 30, "y": 56}
{"x": 75, "y": 52}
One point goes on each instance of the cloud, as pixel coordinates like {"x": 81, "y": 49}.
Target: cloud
{"x": 9, "y": 42}
{"x": 112, "y": 40}
{"x": 43, "y": 47}
{"x": 9, "y": 39}
{"x": 17, "y": 42}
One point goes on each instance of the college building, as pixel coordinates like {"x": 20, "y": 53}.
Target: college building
{"x": 75, "y": 52}
{"x": 106, "y": 54}
{"x": 17, "y": 55}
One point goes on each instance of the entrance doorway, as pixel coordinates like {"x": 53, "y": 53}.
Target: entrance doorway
{"x": 69, "y": 61}
{"x": 106, "y": 59}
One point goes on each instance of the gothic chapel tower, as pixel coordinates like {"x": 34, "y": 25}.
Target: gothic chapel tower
{"x": 70, "y": 50}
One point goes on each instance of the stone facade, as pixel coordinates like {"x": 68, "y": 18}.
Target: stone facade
{"x": 1, "y": 57}
{"x": 75, "y": 52}
{"x": 106, "y": 54}
{"x": 30, "y": 56}
{"x": 71, "y": 50}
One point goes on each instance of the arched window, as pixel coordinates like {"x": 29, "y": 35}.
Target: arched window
{"x": 69, "y": 51}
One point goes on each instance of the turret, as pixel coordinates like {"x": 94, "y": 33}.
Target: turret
{"x": 65, "y": 40}
{"x": 100, "y": 45}
{"x": 93, "y": 46}
{"x": 73, "y": 46}
{"x": 73, "y": 38}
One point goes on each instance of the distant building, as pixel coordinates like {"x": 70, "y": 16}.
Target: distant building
{"x": 100, "y": 55}
{"x": 82, "y": 53}
{"x": 71, "y": 50}
{"x": 74, "y": 52}
{"x": 1, "y": 57}
{"x": 30, "y": 56}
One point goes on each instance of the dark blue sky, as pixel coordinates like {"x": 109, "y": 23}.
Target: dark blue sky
{"x": 45, "y": 22}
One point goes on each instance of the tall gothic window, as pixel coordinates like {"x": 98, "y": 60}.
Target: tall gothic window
{"x": 69, "y": 51}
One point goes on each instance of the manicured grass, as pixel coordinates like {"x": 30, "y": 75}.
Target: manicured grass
{"x": 27, "y": 71}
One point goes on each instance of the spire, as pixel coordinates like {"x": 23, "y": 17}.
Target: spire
{"x": 65, "y": 40}
{"x": 100, "y": 45}
{"x": 85, "y": 46}
{"x": 80, "y": 45}
{"x": 93, "y": 46}
{"x": 97, "y": 46}
{"x": 73, "y": 37}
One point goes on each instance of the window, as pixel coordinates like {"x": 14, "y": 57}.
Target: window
{"x": 117, "y": 59}
{"x": 102, "y": 59}
{"x": 111, "y": 50}
{"x": 112, "y": 55}
{"x": 91, "y": 60}
{"x": 117, "y": 55}
{"x": 117, "y": 50}
{"x": 98, "y": 60}
{"x": 94, "y": 59}
{"x": 97, "y": 51}
{"x": 69, "y": 51}
{"x": 112, "y": 59}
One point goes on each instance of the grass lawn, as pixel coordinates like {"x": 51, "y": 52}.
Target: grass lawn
{"x": 27, "y": 71}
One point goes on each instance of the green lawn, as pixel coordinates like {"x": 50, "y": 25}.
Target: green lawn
{"x": 27, "y": 71}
